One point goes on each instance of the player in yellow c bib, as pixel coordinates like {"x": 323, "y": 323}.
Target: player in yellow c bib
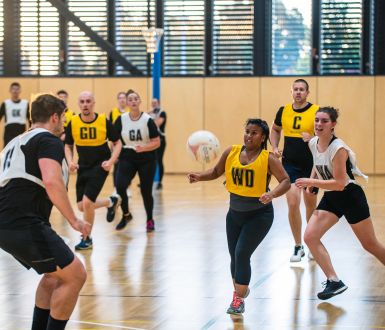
{"x": 247, "y": 168}
{"x": 296, "y": 121}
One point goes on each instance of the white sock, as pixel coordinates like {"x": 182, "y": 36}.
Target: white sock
{"x": 334, "y": 279}
{"x": 111, "y": 203}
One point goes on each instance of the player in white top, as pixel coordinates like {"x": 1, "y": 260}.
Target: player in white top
{"x": 16, "y": 114}
{"x": 334, "y": 165}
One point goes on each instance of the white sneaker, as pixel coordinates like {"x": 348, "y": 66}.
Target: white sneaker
{"x": 298, "y": 253}
{"x": 310, "y": 256}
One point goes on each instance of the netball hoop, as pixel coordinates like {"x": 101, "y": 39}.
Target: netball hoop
{"x": 152, "y": 37}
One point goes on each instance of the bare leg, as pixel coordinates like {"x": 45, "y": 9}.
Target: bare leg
{"x": 70, "y": 280}
{"x": 365, "y": 233}
{"x": 320, "y": 222}
{"x": 101, "y": 202}
{"x": 293, "y": 197}
{"x": 240, "y": 289}
{"x": 44, "y": 291}
{"x": 88, "y": 210}
{"x": 310, "y": 204}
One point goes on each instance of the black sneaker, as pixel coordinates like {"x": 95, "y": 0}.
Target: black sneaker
{"x": 125, "y": 220}
{"x": 112, "y": 209}
{"x": 332, "y": 288}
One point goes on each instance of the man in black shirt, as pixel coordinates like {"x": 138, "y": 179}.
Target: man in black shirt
{"x": 33, "y": 175}
{"x": 91, "y": 132}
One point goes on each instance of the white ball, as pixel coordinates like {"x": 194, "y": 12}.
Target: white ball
{"x": 203, "y": 146}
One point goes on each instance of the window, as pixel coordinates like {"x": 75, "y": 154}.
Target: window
{"x": 84, "y": 56}
{"x": 131, "y": 17}
{"x": 233, "y": 22}
{"x": 340, "y": 41}
{"x": 184, "y": 37}
{"x": 291, "y": 37}
{"x": 39, "y": 38}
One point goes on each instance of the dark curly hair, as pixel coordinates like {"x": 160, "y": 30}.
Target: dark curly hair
{"x": 262, "y": 124}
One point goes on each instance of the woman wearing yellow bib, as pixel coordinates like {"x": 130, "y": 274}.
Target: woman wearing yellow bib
{"x": 248, "y": 169}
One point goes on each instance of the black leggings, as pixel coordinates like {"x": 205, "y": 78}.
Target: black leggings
{"x": 159, "y": 157}
{"x": 245, "y": 231}
{"x": 126, "y": 172}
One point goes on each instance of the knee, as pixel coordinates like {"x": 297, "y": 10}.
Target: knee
{"x": 370, "y": 245}
{"x": 293, "y": 204}
{"x": 49, "y": 282}
{"x": 87, "y": 203}
{"x": 79, "y": 273}
{"x": 80, "y": 206}
{"x": 242, "y": 256}
{"x": 310, "y": 237}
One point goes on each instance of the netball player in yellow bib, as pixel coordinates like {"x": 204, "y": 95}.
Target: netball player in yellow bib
{"x": 296, "y": 120}
{"x": 91, "y": 133}
{"x": 248, "y": 169}
{"x": 68, "y": 114}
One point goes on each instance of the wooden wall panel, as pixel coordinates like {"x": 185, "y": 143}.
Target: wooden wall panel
{"x": 73, "y": 86}
{"x": 228, "y": 103}
{"x": 379, "y": 127}
{"x": 106, "y": 90}
{"x": 222, "y": 105}
{"x": 182, "y": 99}
{"x": 354, "y": 97}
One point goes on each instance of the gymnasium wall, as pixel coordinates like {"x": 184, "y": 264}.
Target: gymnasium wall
{"x": 221, "y": 105}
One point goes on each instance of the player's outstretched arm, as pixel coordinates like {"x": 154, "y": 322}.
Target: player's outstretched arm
{"x": 212, "y": 173}
{"x": 57, "y": 193}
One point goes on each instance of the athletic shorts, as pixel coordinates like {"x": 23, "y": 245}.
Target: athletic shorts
{"x": 37, "y": 247}
{"x": 295, "y": 172}
{"x": 90, "y": 182}
{"x": 351, "y": 203}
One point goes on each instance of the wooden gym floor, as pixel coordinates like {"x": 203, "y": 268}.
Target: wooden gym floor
{"x": 178, "y": 277}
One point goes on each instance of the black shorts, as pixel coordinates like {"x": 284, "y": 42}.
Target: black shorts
{"x": 351, "y": 202}
{"x": 37, "y": 247}
{"x": 90, "y": 182}
{"x": 295, "y": 172}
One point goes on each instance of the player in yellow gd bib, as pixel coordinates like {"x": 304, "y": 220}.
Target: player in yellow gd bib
{"x": 296, "y": 120}
{"x": 248, "y": 169}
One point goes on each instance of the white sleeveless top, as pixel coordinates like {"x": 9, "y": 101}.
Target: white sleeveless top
{"x": 12, "y": 160}
{"x": 135, "y": 132}
{"x": 16, "y": 112}
{"x": 323, "y": 161}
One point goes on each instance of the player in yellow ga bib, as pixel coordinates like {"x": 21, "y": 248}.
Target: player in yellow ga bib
{"x": 247, "y": 168}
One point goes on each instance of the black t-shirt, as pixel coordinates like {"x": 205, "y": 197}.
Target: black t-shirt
{"x": 23, "y": 202}
{"x": 128, "y": 153}
{"x": 90, "y": 156}
{"x": 162, "y": 114}
{"x": 295, "y": 150}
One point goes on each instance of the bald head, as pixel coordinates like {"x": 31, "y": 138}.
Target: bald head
{"x": 86, "y": 102}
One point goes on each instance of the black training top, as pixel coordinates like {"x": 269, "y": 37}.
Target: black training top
{"x": 23, "y": 202}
